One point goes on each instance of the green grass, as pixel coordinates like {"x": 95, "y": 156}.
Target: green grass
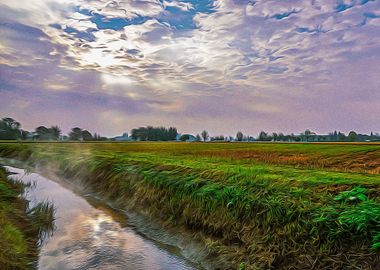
{"x": 20, "y": 229}
{"x": 260, "y": 206}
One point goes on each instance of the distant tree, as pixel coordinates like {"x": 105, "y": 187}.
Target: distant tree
{"x": 281, "y": 137}
{"x": 55, "y": 132}
{"x": 335, "y": 136}
{"x": 86, "y": 135}
{"x": 198, "y": 138}
{"x": 154, "y": 133}
{"x": 24, "y": 134}
{"x": 11, "y": 123}
{"x": 330, "y": 137}
{"x": 341, "y": 137}
{"x": 76, "y": 134}
{"x": 97, "y": 137}
{"x": 352, "y": 136}
{"x": 42, "y": 133}
{"x": 239, "y": 136}
{"x": 274, "y": 136}
{"x": 263, "y": 136}
{"x": 10, "y": 129}
{"x": 139, "y": 134}
{"x": 204, "y": 135}
{"x": 307, "y": 134}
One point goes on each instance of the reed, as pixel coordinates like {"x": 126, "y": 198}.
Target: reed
{"x": 21, "y": 228}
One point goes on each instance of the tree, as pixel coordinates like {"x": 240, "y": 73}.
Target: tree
{"x": 42, "y": 133}
{"x": 275, "y": 136}
{"x": 86, "y": 135}
{"x": 341, "y": 137}
{"x": 335, "y": 135}
{"x": 150, "y": 133}
{"x": 281, "y": 137}
{"x": 239, "y": 136}
{"x": 198, "y": 138}
{"x": 263, "y": 136}
{"x": 11, "y": 123}
{"x": 55, "y": 132}
{"x": 204, "y": 135}
{"x": 76, "y": 134}
{"x": 24, "y": 134}
{"x": 307, "y": 134}
{"x": 10, "y": 129}
{"x": 352, "y": 136}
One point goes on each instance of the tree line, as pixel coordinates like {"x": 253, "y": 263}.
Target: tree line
{"x": 154, "y": 133}
{"x": 307, "y": 136}
{"x": 10, "y": 129}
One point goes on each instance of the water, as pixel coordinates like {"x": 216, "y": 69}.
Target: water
{"x": 91, "y": 235}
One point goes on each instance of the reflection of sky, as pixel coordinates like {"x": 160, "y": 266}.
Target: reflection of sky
{"x": 251, "y": 65}
{"x": 87, "y": 237}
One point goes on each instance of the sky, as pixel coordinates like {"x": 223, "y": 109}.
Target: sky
{"x": 223, "y": 65}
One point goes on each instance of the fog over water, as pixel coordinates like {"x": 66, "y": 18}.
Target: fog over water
{"x": 92, "y": 235}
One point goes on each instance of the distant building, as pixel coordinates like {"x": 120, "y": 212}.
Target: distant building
{"x": 189, "y": 137}
{"x": 122, "y": 138}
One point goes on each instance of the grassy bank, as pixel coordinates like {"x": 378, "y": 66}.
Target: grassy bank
{"x": 21, "y": 227}
{"x": 258, "y": 206}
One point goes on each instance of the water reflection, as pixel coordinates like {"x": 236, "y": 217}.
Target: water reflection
{"x": 92, "y": 235}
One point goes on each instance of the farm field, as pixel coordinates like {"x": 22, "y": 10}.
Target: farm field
{"x": 253, "y": 205}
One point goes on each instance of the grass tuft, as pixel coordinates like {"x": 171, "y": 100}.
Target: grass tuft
{"x": 20, "y": 229}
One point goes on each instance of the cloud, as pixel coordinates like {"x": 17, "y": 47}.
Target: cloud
{"x": 186, "y": 58}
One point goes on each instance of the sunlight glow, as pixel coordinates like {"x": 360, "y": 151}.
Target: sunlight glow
{"x": 102, "y": 59}
{"x": 110, "y": 79}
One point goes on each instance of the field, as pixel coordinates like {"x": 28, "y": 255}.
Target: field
{"x": 254, "y": 205}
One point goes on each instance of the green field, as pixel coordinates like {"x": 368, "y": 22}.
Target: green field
{"x": 256, "y": 205}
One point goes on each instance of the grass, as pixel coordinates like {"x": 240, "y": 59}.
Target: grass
{"x": 21, "y": 227}
{"x": 258, "y": 206}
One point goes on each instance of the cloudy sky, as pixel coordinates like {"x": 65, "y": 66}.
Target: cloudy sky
{"x": 223, "y": 65}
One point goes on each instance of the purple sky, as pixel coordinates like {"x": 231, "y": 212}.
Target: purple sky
{"x": 224, "y": 66}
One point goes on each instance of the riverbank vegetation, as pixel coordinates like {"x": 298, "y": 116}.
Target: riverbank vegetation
{"x": 255, "y": 206}
{"x": 22, "y": 228}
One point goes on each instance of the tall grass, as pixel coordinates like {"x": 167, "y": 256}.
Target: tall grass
{"x": 21, "y": 229}
{"x": 42, "y": 217}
